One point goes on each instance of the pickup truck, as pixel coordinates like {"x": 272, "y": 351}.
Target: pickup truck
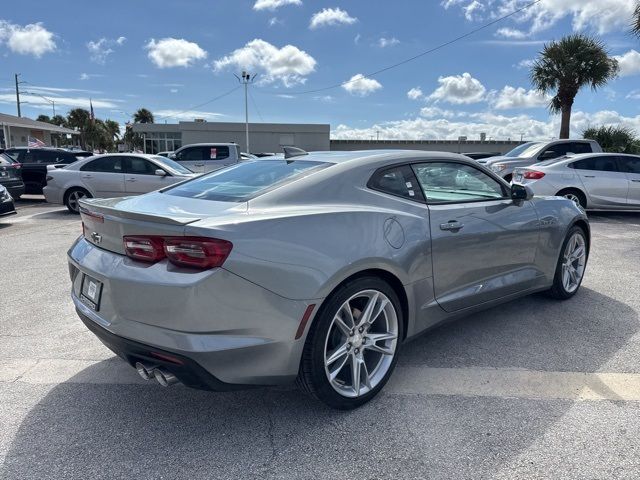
{"x": 207, "y": 157}
{"x": 531, "y": 153}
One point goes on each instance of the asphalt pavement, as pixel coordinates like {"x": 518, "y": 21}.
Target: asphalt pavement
{"x": 533, "y": 389}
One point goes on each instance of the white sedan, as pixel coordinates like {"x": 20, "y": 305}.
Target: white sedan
{"x": 111, "y": 175}
{"x": 599, "y": 181}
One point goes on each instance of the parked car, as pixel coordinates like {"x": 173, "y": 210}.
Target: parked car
{"x": 606, "y": 181}
{"x": 316, "y": 267}
{"x": 207, "y": 157}
{"x": 6, "y": 202}
{"x": 34, "y": 163}
{"x": 166, "y": 153}
{"x": 11, "y": 176}
{"x": 481, "y": 155}
{"x": 111, "y": 175}
{"x": 534, "y": 152}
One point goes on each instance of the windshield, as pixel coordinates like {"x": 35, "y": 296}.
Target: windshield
{"x": 245, "y": 181}
{"x": 171, "y": 164}
{"x": 524, "y": 150}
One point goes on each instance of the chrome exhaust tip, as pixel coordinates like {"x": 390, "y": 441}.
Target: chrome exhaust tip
{"x": 164, "y": 378}
{"x": 145, "y": 371}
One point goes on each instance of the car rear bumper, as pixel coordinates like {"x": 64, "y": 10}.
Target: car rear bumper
{"x": 7, "y": 208}
{"x": 15, "y": 188}
{"x": 238, "y": 332}
{"x": 53, "y": 194}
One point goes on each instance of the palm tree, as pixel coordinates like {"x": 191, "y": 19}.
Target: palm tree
{"x": 635, "y": 26}
{"x": 565, "y": 66}
{"x": 113, "y": 129}
{"x": 143, "y": 116}
{"x": 43, "y": 118}
{"x": 59, "y": 120}
{"x": 80, "y": 119}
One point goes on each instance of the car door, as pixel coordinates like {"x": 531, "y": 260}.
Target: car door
{"x": 140, "y": 176}
{"x": 217, "y": 157}
{"x": 192, "y": 158}
{"x": 603, "y": 183}
{"x": 630, "y": 165}
{"x": 483, "y": 242}
{"x": 104, "y": 176}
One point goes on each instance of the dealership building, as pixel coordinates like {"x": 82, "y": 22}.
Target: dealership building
{"x": 271, "y": 137}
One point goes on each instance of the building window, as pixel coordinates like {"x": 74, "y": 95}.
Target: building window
{"x": 162, "y": 142}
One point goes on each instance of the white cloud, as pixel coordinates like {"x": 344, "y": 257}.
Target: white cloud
{"x": 459, "y": 89}
{"x": 387, "y": 42}
{"x": 600, "y": 15}
{"x": 186, "y": 116}
{"x": 331, "y": 16}
{"x": 514, "y": 33}
{"x": 73, "y": 102}
{"x": 173, "y": 90}
{"x": 472, "y": 10}
{"x": 89, "y": 76}
{"x": 288, "y": 64}
{"x": 497, "y": 127}
{"x": 174, "y": 52}
{"x": 32, "y": 39}
{"x": 629, "y": 63}
{"x": 511, "y": 97}
{"x": 633, "y": 95}
{"x": 100, "y": 49}
{"x": 434, "y": 112}
{"x": 361, "y": 86}
{"x": 415, "y": 93}
{"x": 274, "y": 21}
{"x": 274, "y": 4}
{"x": 527, "y": 63}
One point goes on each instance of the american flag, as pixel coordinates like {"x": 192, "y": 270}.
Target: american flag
{"x": 35, "y": 143}
{"x": 92, "y": 115}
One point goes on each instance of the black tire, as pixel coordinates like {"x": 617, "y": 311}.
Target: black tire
{"x": 312, "y": 377}
{"x": 572, "y": 194}
{"x": 558, "y": 290}
{"x": 71, "y": 206}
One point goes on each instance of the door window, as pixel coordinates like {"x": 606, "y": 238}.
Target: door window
{"x": 216, "y": 153}
{"x": 630, "y": 164}
{"x": 140, "y": 166}
{"x": 190, "y": 154}
{"x": 581, "y": 147}
{"x": 447, "y": 182}
{"x": 104, "y": 165}
{"x": 555, "y": 151}
{"x": 601, "y": 164}
{"x": 398, "y": 181}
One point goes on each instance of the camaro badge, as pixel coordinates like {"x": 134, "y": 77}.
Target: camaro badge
{"x": 96, "y": 237}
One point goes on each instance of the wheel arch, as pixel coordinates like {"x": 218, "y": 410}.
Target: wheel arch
{"x": 575, "y": 189}
{"x": 584, "y": 225}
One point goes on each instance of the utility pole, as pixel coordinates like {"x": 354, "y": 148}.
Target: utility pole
{"x": 17, "y": 94}
{"x": 246, "y": 80}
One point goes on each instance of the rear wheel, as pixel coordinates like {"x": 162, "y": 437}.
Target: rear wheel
{"x": 574, "y": 195}
{"x": 73, "y": 197}
{"x": 352, "y": 347}
{"x": 571, "y": 265}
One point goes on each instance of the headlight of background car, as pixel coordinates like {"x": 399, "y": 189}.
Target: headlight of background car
{"x": 498, "y": 167}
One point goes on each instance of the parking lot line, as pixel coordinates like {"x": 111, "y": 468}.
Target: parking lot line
{"x": 407, "y": 380}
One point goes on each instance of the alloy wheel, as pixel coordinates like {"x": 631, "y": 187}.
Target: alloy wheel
{"x": 574, "y": 261}
{"x": 361, "y": 343}
{"x": 74, "y": 198}
{"x": 574, "y": 198}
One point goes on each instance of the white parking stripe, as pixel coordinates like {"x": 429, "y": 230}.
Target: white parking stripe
{"x": 408, "y": 380}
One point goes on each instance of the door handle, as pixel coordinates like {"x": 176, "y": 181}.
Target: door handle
{"x": 637, "y": 181}
{"x": 87, "y": 176}
{"x": 589, "y": 176}
{"x": 131, "y": 179}
{"x": 199, "y": 164}
{"x": 451, "y": 225}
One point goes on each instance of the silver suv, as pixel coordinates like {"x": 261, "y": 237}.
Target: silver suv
{"x": 530, "y": 153}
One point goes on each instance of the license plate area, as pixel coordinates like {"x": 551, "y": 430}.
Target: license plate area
{"x": 90, "y": 292}
{"x": 517, "y": 177}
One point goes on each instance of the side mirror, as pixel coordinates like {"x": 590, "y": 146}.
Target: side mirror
{"x": 161, "y": 173}
{"x": 172, "y": 156}
{"x": 521, "y": 192}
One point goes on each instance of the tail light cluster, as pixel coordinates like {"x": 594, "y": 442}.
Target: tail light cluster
{"x": 192, "y": 252}
{"x": 533, "y": 175}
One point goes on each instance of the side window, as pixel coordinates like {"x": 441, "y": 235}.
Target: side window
{"x": 398, "y": 181}
{"x": 444, "y": 182}
{"x": 67, "y": 158}
{"x": 629, "y": 164}
{"x": 555, "y": 151}
{"x": 581, "y": 147}
{"x": 601, "y": 164}
{"x": 104, "y": 165}
{"x": 190, "y": 154}
{"x": 216, "y": 153}
{"x": 45, "y": 156}
{"x": 140, "y": 166}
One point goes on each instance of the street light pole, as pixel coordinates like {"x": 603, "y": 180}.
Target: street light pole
{"x": 246, "y": 79}
{"x": 17, "y": 94}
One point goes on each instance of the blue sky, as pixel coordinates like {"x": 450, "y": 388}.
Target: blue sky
{"x": 170, "y": 56}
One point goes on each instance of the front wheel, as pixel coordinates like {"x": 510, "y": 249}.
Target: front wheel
{"x": 352, "y": 347}
{"x": 72, "y": 199}
{"x": 571, "y": 265}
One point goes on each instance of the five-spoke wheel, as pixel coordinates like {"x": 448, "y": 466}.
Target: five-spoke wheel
{"x": 571, "y": 264}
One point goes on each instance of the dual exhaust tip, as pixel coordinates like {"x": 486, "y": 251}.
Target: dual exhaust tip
{"x": 149, "y": 372}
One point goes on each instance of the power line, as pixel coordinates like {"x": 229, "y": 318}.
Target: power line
{"x": 422, "y": 54}
{"x": 201, "y": 104}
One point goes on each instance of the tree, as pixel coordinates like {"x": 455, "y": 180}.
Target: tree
{"x": 143, "y": 116}
{"x": 635, "y": 26}
{"x": 59, "y": 120}
{"x": 566, "y": 66}
{"x": 80, "y": 119}
{"x": 614, "y": 139}
{"x": 43, "y": 118}
{"x": 113, "y": 129}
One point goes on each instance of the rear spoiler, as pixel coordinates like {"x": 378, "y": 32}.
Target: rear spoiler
{"x": 93, "y": 207}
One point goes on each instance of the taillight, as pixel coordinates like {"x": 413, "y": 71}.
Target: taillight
{"x": 192, "y": 252}
{"x": 533, "y": 175}
{"x": 17, "y": 165}
{"x": 147, "y": 249}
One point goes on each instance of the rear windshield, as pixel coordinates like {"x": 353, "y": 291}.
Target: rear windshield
{"x": 246, "y": 180}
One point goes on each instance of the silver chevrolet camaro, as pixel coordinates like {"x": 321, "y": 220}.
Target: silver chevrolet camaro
{"x": 315, "y": 268}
